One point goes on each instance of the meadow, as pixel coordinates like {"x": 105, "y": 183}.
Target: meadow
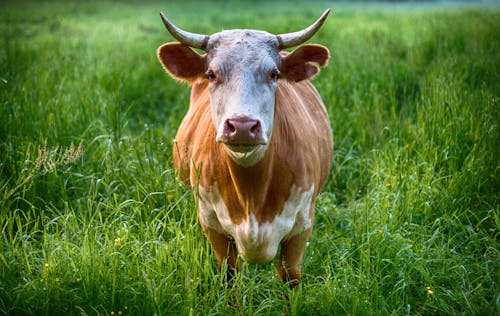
{"x": 94, "y": 221}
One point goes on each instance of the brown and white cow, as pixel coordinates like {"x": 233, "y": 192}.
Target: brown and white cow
{"x": 256, "y": 144}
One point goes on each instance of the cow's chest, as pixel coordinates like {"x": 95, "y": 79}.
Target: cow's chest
{"x": 257, "y": 241}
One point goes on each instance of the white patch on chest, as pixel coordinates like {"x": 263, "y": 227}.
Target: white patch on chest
{"x": 257, "y": 242}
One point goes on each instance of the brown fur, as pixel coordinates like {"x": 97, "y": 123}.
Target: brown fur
{"x": 300, "y": 153}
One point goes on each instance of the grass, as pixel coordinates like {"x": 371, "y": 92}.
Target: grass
{"x": 92, "y": 217}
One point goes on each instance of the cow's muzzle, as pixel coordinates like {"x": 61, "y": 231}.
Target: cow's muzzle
{"x": 242, "y": 131}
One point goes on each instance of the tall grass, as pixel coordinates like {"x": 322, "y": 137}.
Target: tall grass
{"x": 94, "y": 221}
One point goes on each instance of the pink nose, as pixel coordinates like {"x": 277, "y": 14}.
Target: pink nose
{"x": 242, "y": 130}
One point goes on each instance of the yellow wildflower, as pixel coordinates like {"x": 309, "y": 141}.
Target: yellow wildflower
{"x": 429, "y": 290}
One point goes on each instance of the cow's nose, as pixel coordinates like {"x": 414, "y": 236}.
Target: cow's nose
{"x": 243, "y": 131}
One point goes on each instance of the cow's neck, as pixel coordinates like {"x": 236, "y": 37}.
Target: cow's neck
{"x": 252, "y": 186}
{"x": 251, "y": 178}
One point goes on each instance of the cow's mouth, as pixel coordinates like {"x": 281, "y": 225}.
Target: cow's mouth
{"x": 246, "y": 155}
{"x": 241, "y": 148}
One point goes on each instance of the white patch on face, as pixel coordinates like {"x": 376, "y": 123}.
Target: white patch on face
{"x": 257, "y": 242}
{"x": 242, "y": 61}
{"x": 244, "y": 95}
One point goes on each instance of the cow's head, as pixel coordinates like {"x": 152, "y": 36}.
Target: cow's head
{"x": 242, "y": 68}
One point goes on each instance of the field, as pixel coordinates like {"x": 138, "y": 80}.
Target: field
{"x": 94, "y": 221}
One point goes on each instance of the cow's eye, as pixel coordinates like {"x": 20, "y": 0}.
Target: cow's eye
{"x": 211, "y": 75}
{"x": 274, "y": 74}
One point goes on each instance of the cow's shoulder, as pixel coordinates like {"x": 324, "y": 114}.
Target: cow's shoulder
{"x": 195, "y": 132}
{"x": 302, "y": 133}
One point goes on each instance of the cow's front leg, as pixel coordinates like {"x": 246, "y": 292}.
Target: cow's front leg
{"x": 290, "y": 263}
{"x": 225, "y": 251}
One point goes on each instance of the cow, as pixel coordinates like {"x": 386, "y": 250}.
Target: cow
{"x": 256, "y": 145}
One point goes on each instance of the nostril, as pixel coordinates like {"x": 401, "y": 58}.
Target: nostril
{"x": 229, "y": 128}
{"x": 255, "y": 129}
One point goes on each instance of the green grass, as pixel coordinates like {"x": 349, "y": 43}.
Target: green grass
{"x": 408, "y": 223}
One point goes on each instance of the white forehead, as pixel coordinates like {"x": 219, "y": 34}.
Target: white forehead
{"x": 242, "y": 47}
{"x": 236, "y": 36}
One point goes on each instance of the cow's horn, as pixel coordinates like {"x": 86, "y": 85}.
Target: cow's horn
{"x": 190, "y": 39}
{"x": 296, "y": 38}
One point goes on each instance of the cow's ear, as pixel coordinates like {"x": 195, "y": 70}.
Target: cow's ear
{"x": 304, "y": 62}
{"x": 181, "y": 61}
